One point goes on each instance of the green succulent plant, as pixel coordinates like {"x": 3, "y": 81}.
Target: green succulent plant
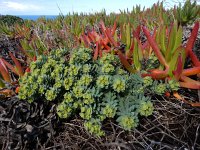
{"x": 187, "y": 13}
{"x": 95, "y": 90}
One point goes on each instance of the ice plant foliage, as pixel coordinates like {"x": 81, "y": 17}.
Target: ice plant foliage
{"x": 172, "y": 55}
{"x": 187, "y": 13}
{"x": 166, "y": 43}
{"x": 5, "y": 76}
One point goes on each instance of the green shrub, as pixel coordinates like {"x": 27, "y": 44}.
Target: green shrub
{"x": 95, "y": 90}
{"x": 10, "y": 20}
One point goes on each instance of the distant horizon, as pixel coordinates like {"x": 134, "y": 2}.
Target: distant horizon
{"x": 46, "y": 7}
{"x": 55, "y": 7}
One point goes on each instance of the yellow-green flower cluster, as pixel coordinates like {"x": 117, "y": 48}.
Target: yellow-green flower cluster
{"x": 119, "y": 84}
{"x": 88, "y": 98}
{"x": 51, "y": 94}
{"x": 151, "y": 63}
{"x": 85, "y": 80}
{"x": 29, "y": 86}
{"x": 107, "y": 68}
{"x": 83, "y": 55}
{"x": 59, "y": 53}
{"x": 46, "y": 67}
{"x": 57, "y": 70}
{"x": 78, "y": 91}
{"x": 160, "y": 88}
{"x": 86, "y": 112}
{"x": 94, "y": 127}
{"x": 121, "y": 71}
{"x": 173, "y": 85}
{"x": 146, "y": 108}
{"x": 86, "y": 68}
{"x": 42, "y": 89}
{"x": 128, "y": 122}
{"x": 74, "y": 58}
{"x": 33, "y": 65}
{"x": 58, "y": 83}
{"x": 22, "y": 94}
{"x": 73, "y": 70}
{"x": 68, "y": 82}
{"x": 107, "y": 58}
{"x": 68, "y": 97}
{"x": 147, "y": 81}
{"x": 53, "y": 71}
{"x": 139, "y": 89}
{"x": 109, "y": 111}
{"x": 63, "y": 110}
{"x": 102, "y": 81}
{"x": 41, "y": 79}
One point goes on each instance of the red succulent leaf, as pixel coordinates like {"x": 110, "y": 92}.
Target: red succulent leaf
{"x": 91, "y": 37}
{"x": 189, "y": 85}
{"x": 96, "y": 51}
{"x": 194, "y": 59}
{"x": 130, "y": 52}
{"x": 167, "y": 94}
{"x": 125, "y": 62}
{"x": 191, "y": 71}
{"x": 85, "y": 39}
{"x": 105, "y": 45}
{"x": 11, "y": 67}
{"x": 34, "y": 58}
{"x": 2, "y": 63}
{"x": 155, "y": 47}
{"x": 17, "y": 89}
{"x": 179, "y": 68}
{"x": 7, "y": 92}
{"x": 112, "y": 41}
{"x": 136, "y": 32}
{"x": 189, "y": 80}
{"x": 156, "y": 74}
{"x": 28, "y": 70}
{"x": 17, "y": 64}
{"x": 190, "y": 45}
{"x": 192, "y": 38}
{"x": 185, "y": 101}
{"x": 114, "y": 28}
{"x": 4, "y": 73}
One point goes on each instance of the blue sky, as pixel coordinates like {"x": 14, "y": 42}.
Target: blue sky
{"x": 51, "y": 7}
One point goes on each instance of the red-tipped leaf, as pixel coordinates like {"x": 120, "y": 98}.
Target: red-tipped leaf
{"x": 11, "y": 67}
{"x": 125, "y": 62}
{"x": 17, "y": 64}
{"x": 96, "y": 51}
{"x": 4, "y": 72}
{"x": 192, "y": 38}
{"x": 194, "y": 59}
{"x": 179, "y": 68}
{"x": 191, "y": 71}
{"x": 156, "y": 74}
{"x": 189, "y": 85}
{"x": 155, "y": 47}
